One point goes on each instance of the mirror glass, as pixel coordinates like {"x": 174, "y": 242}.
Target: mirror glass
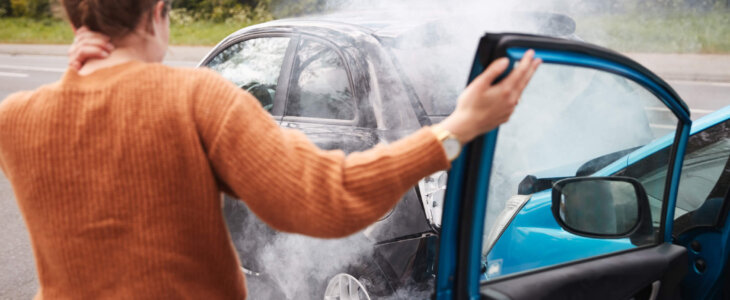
{"x": 600, "y": 207}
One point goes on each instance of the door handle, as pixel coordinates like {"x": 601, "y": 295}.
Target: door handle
{"x": 655, "y": 290}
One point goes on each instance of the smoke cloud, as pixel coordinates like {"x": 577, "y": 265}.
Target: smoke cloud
{"x": 290, "y": 266}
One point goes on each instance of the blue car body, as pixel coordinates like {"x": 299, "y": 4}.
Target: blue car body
{"x": 550, "y": 244}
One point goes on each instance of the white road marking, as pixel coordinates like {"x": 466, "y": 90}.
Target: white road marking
{"x": 16, "y": 75}
{"x": 653, "y": 108}
{"x": 692, "y": 110}
{"x": 700, "y": 111}
{"x": 29, "y": 68}
{"x": 661, "y": 126}
{"x": 692, "y": 82}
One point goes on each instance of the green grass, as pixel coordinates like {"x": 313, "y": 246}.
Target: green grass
{"x": 667, "y": 33}
{"x": 202, "y": 32}
{"x": 29, "y": 31}
{"x": 52, "y": 31}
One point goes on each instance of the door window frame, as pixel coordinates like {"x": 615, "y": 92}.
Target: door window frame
{"x": 722, "y": 215}
{"x": 462, "y": 234}
{"x": 346, "y": 66}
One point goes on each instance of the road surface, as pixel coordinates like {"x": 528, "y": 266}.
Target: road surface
{"x": 27, "y": 72}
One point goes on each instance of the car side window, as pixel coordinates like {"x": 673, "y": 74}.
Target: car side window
{"x": 319, "y": 86}
{"x": 703, "y": 184}
{"x": 254, "y": 65}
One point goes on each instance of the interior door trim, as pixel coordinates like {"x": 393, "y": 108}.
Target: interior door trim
{"x": 660, "y": 268}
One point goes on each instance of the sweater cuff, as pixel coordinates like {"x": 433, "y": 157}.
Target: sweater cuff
{"x": 425, "y": 153}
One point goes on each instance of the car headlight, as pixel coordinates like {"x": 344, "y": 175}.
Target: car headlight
{"x": 511, "y": 207}
{"x": 432, "y": 190}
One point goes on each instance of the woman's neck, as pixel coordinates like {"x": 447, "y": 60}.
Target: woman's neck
{"x": 122, "y": 54}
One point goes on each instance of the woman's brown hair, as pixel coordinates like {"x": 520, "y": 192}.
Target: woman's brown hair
{"x": 114, "y": 18}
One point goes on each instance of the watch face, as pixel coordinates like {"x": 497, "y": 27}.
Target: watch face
{"x": 452, "y": 148}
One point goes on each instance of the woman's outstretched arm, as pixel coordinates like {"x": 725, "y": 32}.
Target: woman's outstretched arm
{"x": 296, "y": 187}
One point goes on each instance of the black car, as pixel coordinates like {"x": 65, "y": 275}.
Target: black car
{"x": 350, "y": 82}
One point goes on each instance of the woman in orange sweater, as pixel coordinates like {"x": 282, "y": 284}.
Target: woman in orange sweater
{"x": 118, "y": 168}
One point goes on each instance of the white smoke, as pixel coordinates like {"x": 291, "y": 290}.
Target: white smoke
{"x": 291, "y": 266}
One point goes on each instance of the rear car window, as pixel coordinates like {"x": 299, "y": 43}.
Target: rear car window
{"x": 319, "y": 86}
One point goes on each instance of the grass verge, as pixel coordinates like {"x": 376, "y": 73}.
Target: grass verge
{"x": 30, "y": 31}
{"x": 53, "y": 31}
{"x": 202, "y": 33}
{"x": 665, "y": 33}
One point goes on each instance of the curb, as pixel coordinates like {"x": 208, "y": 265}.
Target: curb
{"x": 687, "y": 67}
{"x": 174, "y": 53}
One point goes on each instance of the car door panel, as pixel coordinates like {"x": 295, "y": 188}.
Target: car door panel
{"x": 616, "y": 277}
{"x": 706, "y": 260}
{"x": 459, "y": 266}
{"x": 331, "y": 137}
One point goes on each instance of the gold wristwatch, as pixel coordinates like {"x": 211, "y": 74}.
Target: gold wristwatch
{"x": 451, "y": 144}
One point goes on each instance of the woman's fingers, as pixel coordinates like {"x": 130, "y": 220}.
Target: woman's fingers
{"x": 82, "y": 29}
{"x": 533, "y": 67}
{"x": 84, "y": 33}
{"x": 518, "y": 73}
{"x": 88, "y": 45}
{"x": 81, "y": 54}
{"x": 102, "y": 45}
{"x": 493, "y": 71}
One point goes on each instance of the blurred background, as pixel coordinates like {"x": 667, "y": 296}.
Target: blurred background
{"x": 666, "y": 26}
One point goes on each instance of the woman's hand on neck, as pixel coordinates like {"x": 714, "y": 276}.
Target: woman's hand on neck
{"x": 134, "y": 47}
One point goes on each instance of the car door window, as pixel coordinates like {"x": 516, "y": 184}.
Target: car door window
{"x": 319, "y": 86}
{"x": 703, "y": 184}
{"x": 254, "y": 65}
{"x": 567, "y": 116}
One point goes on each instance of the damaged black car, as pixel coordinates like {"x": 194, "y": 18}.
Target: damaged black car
{"x": 349, "y": 82}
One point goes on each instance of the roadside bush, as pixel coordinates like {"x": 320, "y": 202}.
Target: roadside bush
{"x": 5, "y": 10}
{"x": 30, "y": 8}
{"x": 289, "y": 8}
{"x": 237, "y": 14}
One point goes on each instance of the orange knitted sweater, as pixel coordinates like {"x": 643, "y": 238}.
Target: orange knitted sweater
{"x": 119, "y": 175}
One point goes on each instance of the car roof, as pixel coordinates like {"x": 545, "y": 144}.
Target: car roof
{"x": 374, "y": 22}
{"x": 348, "y": 28}
{"x": 383, "y": 24}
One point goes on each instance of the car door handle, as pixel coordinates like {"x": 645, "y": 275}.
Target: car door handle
{"x": 655, "y": 290}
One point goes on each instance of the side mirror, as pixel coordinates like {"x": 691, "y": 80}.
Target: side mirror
{"x": 601, "y": 207}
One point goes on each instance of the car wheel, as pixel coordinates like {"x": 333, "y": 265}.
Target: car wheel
{"x": 345, "y": 287}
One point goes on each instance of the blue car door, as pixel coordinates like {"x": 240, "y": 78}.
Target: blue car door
{"x": 583, "y": 102}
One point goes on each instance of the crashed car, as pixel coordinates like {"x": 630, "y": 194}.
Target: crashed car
{"x": 595, "y": 152}
{"x": 349, "y": 85}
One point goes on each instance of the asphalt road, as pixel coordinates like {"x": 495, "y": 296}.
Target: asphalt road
{"x": 19, "y": 72}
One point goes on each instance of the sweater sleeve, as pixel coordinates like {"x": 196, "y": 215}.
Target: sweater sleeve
{"x": 293, "y": 185}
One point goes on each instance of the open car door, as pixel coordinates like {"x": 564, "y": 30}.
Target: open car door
{"x": 583, "y": 102}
